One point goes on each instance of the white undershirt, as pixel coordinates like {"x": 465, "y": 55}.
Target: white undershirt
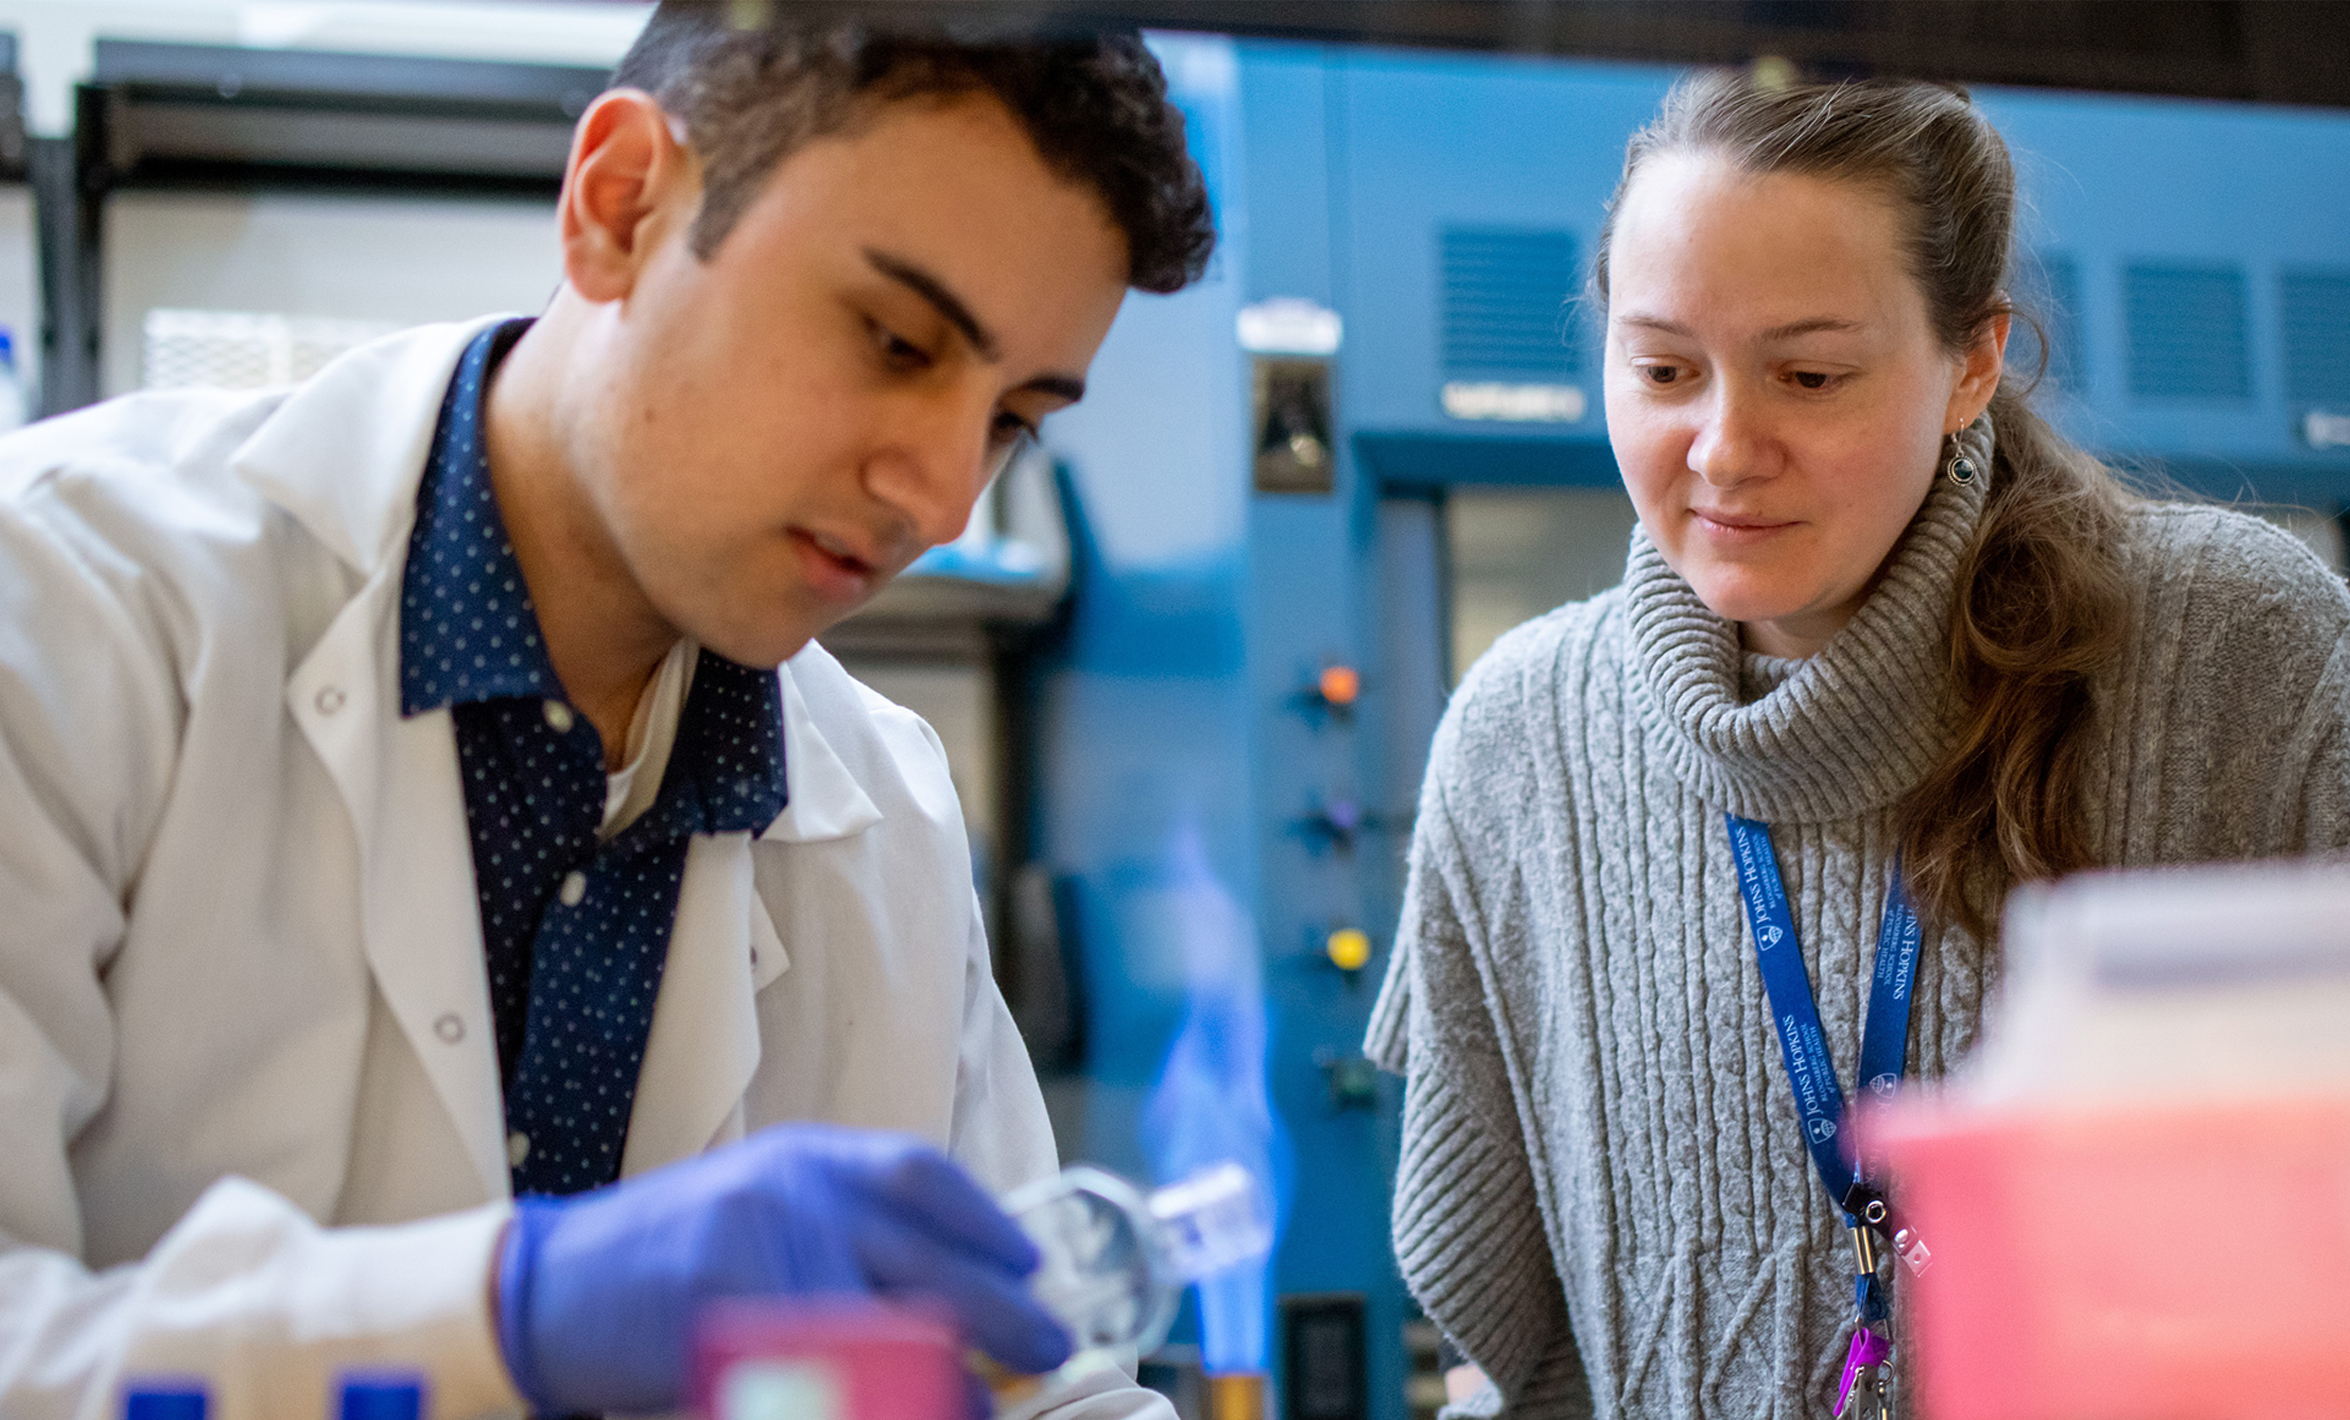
{"x": 652, "y": 733}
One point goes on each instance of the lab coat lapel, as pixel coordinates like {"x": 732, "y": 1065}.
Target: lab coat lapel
{"x": 420, "y": 922}
{"x": 343, "y": 456}
{"x": 826, "y": 800}
{"x": 704, "y": 1047}
{"x": 345, "y": 452}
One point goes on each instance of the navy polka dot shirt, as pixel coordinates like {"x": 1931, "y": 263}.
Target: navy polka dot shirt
{"x": 576, "y": 930}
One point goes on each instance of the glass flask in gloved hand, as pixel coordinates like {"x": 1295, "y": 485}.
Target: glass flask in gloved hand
{"x": 1114, "y": 1262}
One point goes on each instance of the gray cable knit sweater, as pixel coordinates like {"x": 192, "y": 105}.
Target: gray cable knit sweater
{"x": 1602, "y": 1195}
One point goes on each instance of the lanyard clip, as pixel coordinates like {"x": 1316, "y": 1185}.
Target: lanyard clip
{"x": 1866, "y": 1391}
{"x": 1868, "y": 1289}
{"x": 1867, "y": 1207}
{"x": 1912, "y": 1250}
{"x": 1864, "y": 1249}
{"x": 1866, "y": 1204}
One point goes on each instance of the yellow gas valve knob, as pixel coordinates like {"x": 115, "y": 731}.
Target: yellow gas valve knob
{"x": 1349, "y": 948}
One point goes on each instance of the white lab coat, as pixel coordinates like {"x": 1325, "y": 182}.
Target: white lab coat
{"x": 250, "y": 1121}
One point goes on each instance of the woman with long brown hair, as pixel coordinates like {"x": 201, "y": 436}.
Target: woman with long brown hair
{"x": 1886, "y": 645}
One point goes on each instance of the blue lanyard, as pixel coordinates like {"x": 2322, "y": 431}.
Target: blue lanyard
{"x": 1795, "y": 1014}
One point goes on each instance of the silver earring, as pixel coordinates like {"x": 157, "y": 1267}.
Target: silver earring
{"x": 1959, "y": 468}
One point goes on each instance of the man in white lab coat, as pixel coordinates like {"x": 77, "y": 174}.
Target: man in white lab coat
{"x": 419, "y": 788}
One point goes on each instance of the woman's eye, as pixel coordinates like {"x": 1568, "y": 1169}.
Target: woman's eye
{"x": 1814, "y": 379}
{"x": 1010, "y": 427}
{"x": 1660, "y": 374}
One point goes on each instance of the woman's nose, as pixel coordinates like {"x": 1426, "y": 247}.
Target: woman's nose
{"x": 1731, "y": 444}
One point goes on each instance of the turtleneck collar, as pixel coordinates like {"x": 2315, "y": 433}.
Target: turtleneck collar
{"x": 1846, "y": 732}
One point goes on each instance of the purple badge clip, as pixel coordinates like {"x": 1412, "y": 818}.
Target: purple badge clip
{"x": 1869, "y": 1350}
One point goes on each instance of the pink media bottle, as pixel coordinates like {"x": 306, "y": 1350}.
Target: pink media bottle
{"x": 841, "y": 1360}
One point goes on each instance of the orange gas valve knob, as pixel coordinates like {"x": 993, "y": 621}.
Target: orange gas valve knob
{"x": 1339, "y": 685}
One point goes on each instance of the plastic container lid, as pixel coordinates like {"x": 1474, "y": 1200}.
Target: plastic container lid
{"x": 176, "y": 1400}
{"x": 394, "y": 1397}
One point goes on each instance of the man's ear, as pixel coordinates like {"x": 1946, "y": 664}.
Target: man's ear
{"x": 629, "y": 182}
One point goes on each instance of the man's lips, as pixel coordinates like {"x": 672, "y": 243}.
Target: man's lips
{"x": 837, "y": 570}
{"x": 845, "y": 549}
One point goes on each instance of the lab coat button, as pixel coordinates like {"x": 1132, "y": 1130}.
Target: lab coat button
{"x": 449, "y": 1028}
{"x": 574, "y": 888}
{"x": 517, "y": 1149}
{"x": 559, "y": 717}
{"x": 329, "y": 699}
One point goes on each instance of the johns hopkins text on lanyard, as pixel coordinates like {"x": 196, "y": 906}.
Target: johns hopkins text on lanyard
{"x": 1819, "y": 1099}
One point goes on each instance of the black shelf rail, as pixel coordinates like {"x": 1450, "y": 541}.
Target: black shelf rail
{"x": 2264, "y": 51}
{"x": 158, "y": 116}
{"x": 12, "y": 127}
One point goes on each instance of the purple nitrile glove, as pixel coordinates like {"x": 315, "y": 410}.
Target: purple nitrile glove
{"x": 598, "y": 1293}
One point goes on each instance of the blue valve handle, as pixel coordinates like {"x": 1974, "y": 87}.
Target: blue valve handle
{"x": 598, "y": 1292}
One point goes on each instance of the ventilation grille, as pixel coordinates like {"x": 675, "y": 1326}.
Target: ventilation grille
{"x": 2315, "y": 306}
{"x": 243, "y": 349}
{"x": 2048, "y": 288}
{"x": 1506, "y": 311}
{"x": 2187, "y": 337}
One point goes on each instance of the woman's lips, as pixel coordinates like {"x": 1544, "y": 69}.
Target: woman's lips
{"x": 1737, "y": 529}
{"x": 835, "y": 573}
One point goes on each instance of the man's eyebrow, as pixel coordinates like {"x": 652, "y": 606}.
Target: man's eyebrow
{"x": 937, "y": 292}
{"x": 950, "y": 305}
{"x": 1068, "y": 387}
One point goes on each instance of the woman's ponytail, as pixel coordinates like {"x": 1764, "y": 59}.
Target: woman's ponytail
{"x": 2041, "y": 608}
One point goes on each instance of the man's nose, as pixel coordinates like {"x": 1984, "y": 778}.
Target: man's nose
{"x": 932, "y": 471}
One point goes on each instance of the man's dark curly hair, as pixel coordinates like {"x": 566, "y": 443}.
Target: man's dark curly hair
{"x": 752, "y": 82}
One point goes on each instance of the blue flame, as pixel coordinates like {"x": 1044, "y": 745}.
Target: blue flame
{"x": 1211, "y": 1103}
